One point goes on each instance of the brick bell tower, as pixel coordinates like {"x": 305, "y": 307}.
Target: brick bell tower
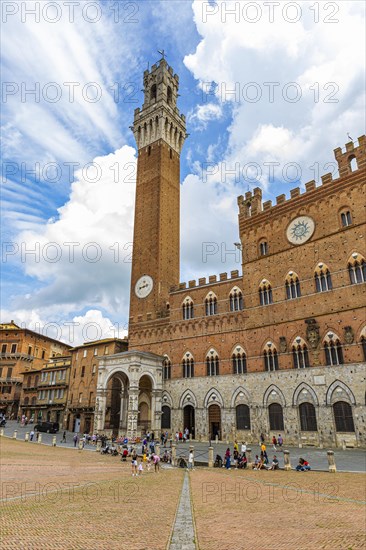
{"x": 159, "y": 131}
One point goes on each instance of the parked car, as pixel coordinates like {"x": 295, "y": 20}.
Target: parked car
{"x": 48, "y": 427}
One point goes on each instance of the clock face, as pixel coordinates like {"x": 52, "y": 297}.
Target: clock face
{"x": 300, "y": 230}
{"x": 144, "y": 286}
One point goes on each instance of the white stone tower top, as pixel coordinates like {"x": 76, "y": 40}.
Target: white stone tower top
{"x": 159, "y": 117}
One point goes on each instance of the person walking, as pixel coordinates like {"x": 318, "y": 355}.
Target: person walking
{"x": 274, "y": 443}
{"x": 227, "y": 459}
{"x": 75, "y": 439}
{"x": 280, "y": 440}
{"x": 156, "y": 461}
{"x": 63, "y": 440}
{"x": 134, "y": 463}
{"x": 31, "y": 435}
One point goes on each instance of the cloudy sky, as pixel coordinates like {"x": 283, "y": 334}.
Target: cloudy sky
{"x": 268, "y": 90}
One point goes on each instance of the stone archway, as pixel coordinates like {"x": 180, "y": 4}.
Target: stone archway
{"x": 139, "y": 385}
{"x": 144, "y": 407}
{"x": 116, "y": 404}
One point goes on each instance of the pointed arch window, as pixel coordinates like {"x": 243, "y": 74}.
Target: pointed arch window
{"x": 300, "y": 354}
{"x": 263, "y": 248}
{"x": 343, "y": 417}
{"x": 165, "y": 417}
{"x": 275, "y": 413}
{"x": 169, "y": 95}
{"x": 188, "y": 309}
{"x": 346, "y": 218}
{"x": 236, "y": 300}
{"x": 167, "y": 369}
{"x": 188, "y": 365}
{"x": 239, "y": 361}
{"x": 270, "y": 357}
{"x": 333, "y": 350}
{"x": 242, "y": 417}
{"x": 323, "y": 279}
{"x": 363, "y": 342}
{"x": 308, "y": 417}
{"x": 357, "y": 269}
{"x": 212, "y": 363}
{"x": 292, "y": 286}
{"x": 211, "y": 304}
{"x": 153, "y": 92}
{"x": 265, "y": 293}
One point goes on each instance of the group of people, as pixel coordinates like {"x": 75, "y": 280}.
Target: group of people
{"x": 182, "y": 436}
{"x": 239, "y": 458}
{"x": 24, "y": 420}
{"x": 146, "y": 461}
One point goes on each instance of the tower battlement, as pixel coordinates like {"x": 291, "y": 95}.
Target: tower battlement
{"x": 159, "y": 117}
{"x": 251, "y": 204}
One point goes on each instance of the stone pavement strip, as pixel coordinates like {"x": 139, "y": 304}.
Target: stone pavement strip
{"x": 183, "y": 536}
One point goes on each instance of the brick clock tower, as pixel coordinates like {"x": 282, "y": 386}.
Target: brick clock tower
{"x": 160, "y": 131}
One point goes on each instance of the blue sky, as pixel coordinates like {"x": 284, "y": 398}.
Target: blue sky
{"x": 315, "y": 62}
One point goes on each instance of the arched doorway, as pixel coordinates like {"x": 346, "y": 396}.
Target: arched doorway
{"x": 214, "y": 421}
{"x": 189, "y": 419}
{"x": 116, "y": 403}
{"x": 165, "y": 418}
{"x": 144, "y": 422}
{"x": 77, "y": 421}
{"x": 144, "y": 414}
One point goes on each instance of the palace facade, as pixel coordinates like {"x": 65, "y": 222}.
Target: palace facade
{"x": 277, "y": 348}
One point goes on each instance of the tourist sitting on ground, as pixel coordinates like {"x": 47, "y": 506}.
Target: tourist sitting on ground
{"x": 274, "y": 465}
{"x": 218, "y": 461}
{"x": 243, "y": 461}
{"x": 303, "y": 465}
{"x": 259, "y": 463}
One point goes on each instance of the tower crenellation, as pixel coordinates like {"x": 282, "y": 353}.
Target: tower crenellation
{"x": 159, "y": 117}
{"x": 251, "y": 204}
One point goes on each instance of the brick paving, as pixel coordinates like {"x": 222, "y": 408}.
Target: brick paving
{"x": 108, "y": 508}
{"x": 57, "y": 498}
{"x": 278, "y": 510}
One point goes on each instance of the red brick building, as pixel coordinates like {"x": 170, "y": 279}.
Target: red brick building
{"x": 277, "y": 348}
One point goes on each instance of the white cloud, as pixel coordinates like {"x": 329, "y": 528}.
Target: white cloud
{"x": 84, "y": 256}
{"x": 202, "y": 114}
{"x": 325, "y": 60}
{"x": 93, "y": 325}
